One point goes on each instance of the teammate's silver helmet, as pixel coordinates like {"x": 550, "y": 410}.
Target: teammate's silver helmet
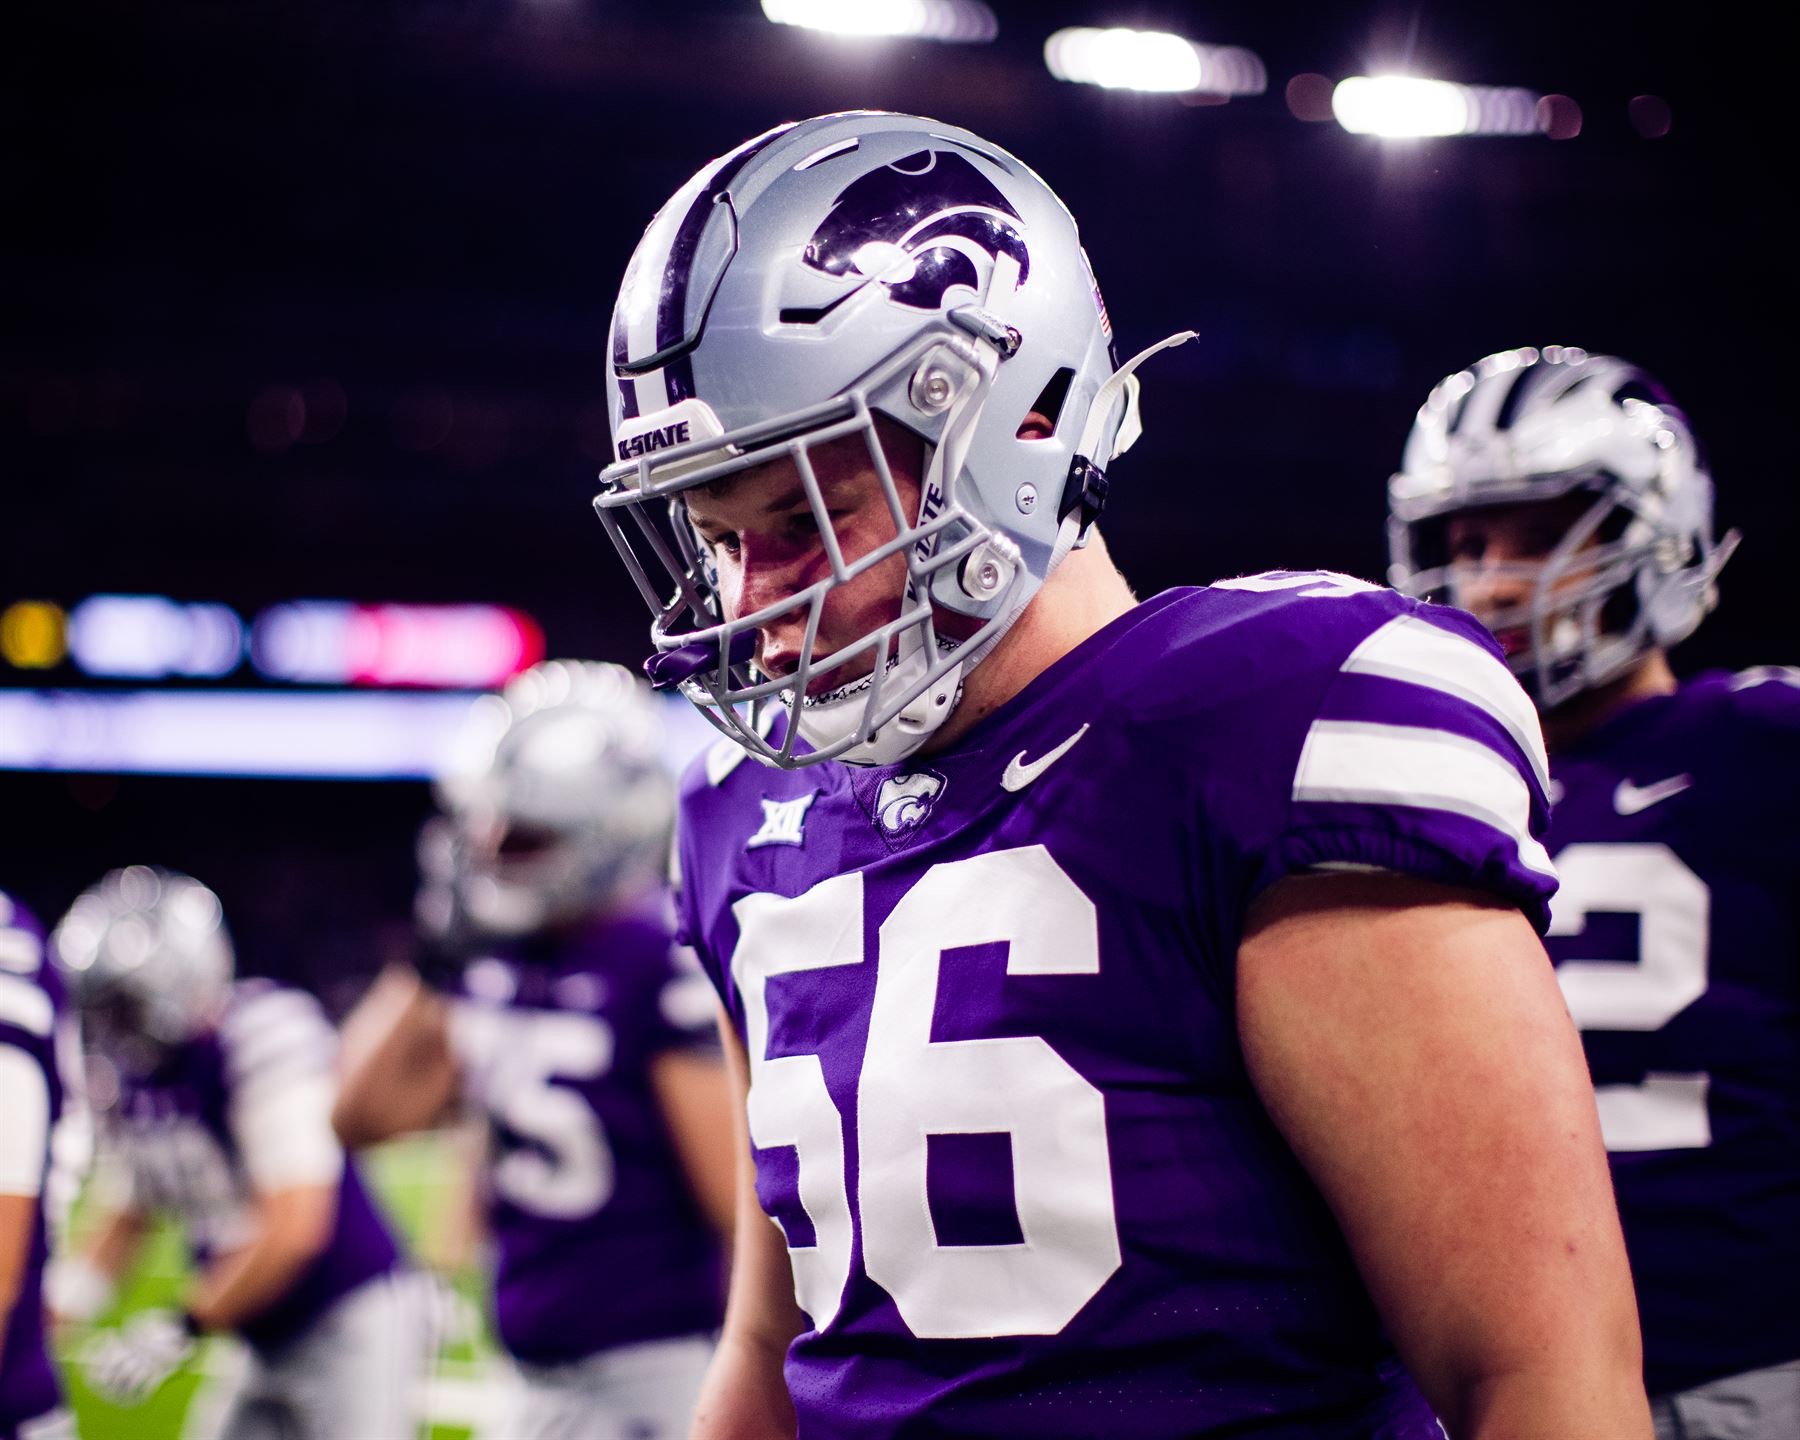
{"x": 1634, "y": 571}
{"x": 146, "y": 957}
{"x": 821, "y": 274}
{"x": 560, "y": 800}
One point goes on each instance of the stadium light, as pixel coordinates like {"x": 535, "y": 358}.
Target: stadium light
{"x": 958, "y": 21}
{"x": 147, "y": 637}
{"x": 1152, "y": 61}
{"x": 1409, "y": 107}
{"x": 33, "y": 634}
{"x": 334, "y": 642}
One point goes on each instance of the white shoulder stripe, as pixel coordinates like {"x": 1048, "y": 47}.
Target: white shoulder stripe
{"x": 1420, "y": 653}
{"x": 24, "y": 1005}
{"x": 20, "y": 951}
{"x": 281, "y": 1031}
{"x": 284, "y": 1054}
{"x": 1351, "y": 762}
{"x": 270, "y": 1009}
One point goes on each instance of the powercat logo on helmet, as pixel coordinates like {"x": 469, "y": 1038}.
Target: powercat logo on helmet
{"x": 918, "y": 226}
{"x": 660, "y": 438}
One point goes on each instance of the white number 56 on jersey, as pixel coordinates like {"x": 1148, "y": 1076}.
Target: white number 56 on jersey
{"x": 912, "y": 1087}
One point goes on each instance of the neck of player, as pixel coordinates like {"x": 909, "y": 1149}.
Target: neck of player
{"x": 1569, "y": 724}
{"x": 1084, "y": 595}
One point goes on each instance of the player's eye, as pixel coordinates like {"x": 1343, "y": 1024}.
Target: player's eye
{"x": 1468, "y": 548}
{"x": 728, "y": 543}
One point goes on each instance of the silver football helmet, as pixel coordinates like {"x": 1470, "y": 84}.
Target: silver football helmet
{"x": 817, "y": 276}
{"x": 147, "y": 961}
{"x": 558, "y": 799}
{"x": 1635, "y": 569}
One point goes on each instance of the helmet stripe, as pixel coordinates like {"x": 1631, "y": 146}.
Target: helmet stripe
{"x": 678, "y": 374}
{"x": 1522, "y": 384}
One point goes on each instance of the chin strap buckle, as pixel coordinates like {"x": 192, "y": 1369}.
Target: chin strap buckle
{"x": 1084, "y": 491}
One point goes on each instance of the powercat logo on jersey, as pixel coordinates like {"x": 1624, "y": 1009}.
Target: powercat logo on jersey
{"x": 658, "y": 439}
{"x": 918, "y": 226}
{"x": 904, "y": 802}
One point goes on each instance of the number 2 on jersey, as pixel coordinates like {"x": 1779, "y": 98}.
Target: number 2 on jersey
{"x": 1667, "y": 1111}
{"x": 911, "y": 1087}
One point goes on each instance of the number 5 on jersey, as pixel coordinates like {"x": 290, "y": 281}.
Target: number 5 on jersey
{"x": 911, "y": 1087}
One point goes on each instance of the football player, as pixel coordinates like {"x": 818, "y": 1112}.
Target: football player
{"x": 1563, "y": 499}
{"x": 215, "y": 1107}
{"x": 1137, "y": 1007}
{"x": 571, "y": 1024}
{"x": 36, "y": 1077}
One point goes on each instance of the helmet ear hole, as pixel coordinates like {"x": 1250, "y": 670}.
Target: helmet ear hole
{"x": 1048, "y": 406}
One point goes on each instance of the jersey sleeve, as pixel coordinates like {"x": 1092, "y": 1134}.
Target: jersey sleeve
{"x": 28, "y": 1024}
{"x": 680, "y": 1004}
{"x": 1765, "y": 751}
{"x": 688, "y": 868}
{"x": 25, "y": 1137}
{"x": 1424, "y": 757}
{"x": 279, "y": 1053}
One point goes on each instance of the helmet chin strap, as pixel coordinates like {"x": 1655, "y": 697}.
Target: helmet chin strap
{"x": 822, "y": 725}
{"x": 1073, "y": 531}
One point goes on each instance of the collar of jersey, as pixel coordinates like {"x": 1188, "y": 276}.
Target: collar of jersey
{"x": 997, "y": 731}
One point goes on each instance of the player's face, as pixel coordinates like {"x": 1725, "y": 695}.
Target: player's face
{"x": 1495, "y": 553}
{"x": 114, "y": 1037}
{"x": 764, "y": 539}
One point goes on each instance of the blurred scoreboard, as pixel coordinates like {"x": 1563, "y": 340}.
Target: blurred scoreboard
{"x": 323, "y": 689}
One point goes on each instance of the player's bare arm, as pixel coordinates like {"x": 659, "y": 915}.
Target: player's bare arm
{"x": 694, "y": 1093}
{"x": 745, "y": 1396}
{"x": 399, "y": 1073}
{"x": 292, "y": 1227}
{"x": 17, "y": 1212}
{"x": 1412, "y": 1045}
{"x": 82, "y": 1285}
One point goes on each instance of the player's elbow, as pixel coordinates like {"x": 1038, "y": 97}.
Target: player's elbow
{"x": 297, "y": 1222}
{"x": 1576, "y": 1358}
{"x": 356, "y": 1121}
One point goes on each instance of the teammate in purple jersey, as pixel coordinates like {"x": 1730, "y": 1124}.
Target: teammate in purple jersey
{"x": 1137, "y": 1007}
{"x": 215, "y": 1104}
{"x": 584, "y": 1040}
{"x": 36, "y": 1074}
{"x": 1562, "y": 498}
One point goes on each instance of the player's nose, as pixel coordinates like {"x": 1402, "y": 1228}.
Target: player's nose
{"x": 1486, "y": 590}
{"x": 764, "y": 583}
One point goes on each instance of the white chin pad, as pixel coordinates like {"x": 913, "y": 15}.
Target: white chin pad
{"x": 827, "y": 724}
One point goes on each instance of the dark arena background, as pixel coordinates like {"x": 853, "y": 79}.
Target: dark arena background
{"x": 305, "y": 319}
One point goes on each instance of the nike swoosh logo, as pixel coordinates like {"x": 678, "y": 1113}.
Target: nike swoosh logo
{"x": 1018, "y": 774}
{"x": 1628, "y": 799}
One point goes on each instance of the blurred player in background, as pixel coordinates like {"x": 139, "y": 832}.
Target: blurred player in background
{"x": 561, "y": 1012}
{"x": 215, "y": 1101}
{"x": 37, "y": 1080}
{"x": 1561, "y": 497}
{"x": 1089, "y": 1101}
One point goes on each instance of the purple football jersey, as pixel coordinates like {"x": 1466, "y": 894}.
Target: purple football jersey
{"x": 31, "y": 1012}
{"x": 998, "y": 1101}
{"x": 600, "y": 1241}
{"x": 1677, "y": 940}
{"x": 177, "y": 1133}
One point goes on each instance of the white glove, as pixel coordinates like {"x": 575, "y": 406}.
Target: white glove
{"x": 126, "y": 1366}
